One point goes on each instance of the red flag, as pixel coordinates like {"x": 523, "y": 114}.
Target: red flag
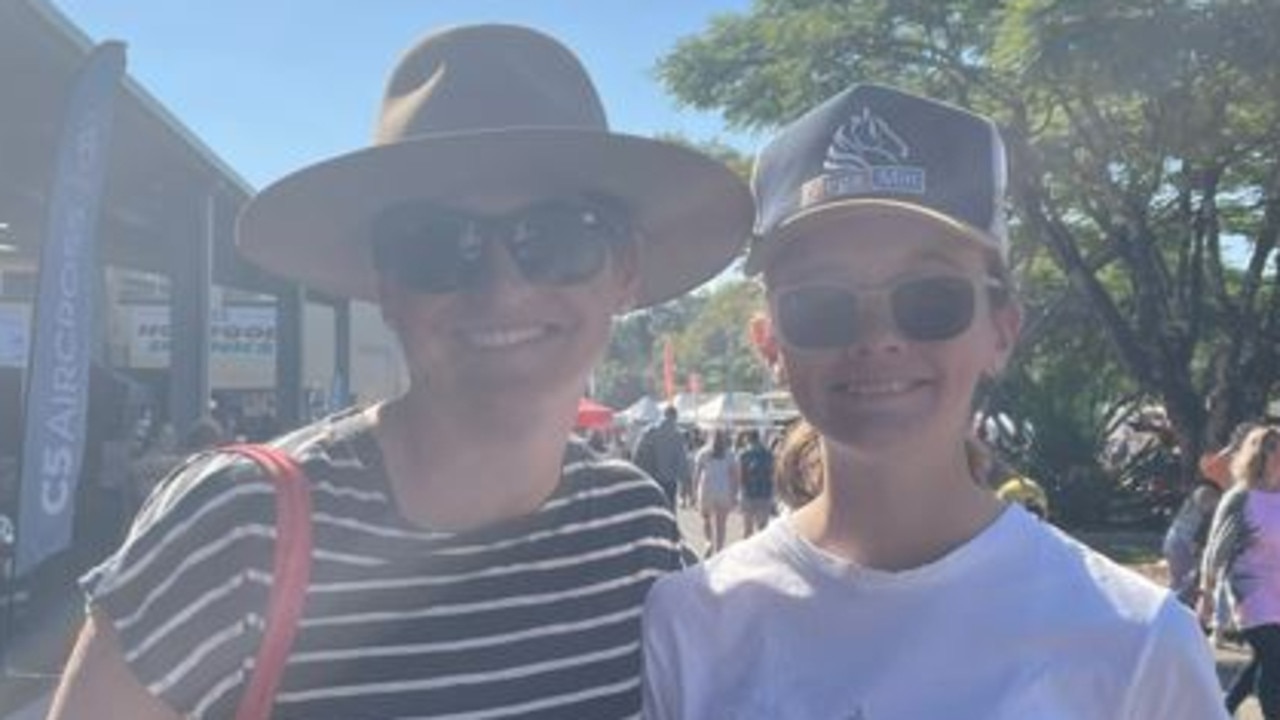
{"x": 668, "y": 369}
{"x": 761, "y": 338}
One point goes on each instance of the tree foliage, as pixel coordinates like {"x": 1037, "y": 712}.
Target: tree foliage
{"x": 708, "y": 335}
{"x": 1144, "y": 142}
{"x": 707, "y": 328}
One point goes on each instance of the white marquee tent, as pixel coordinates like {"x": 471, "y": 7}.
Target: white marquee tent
{"x": 644, "y": 411}
{"x": 739, "y": 409}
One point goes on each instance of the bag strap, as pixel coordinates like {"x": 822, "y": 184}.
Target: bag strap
{"x": 290, "y": 577}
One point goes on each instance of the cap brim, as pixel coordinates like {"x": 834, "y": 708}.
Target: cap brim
{"x": 763, "y": 249}
{"x": 312, "y": 227}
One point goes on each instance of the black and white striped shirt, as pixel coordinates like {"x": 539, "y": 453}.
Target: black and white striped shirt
{"x": 533, "y": 617}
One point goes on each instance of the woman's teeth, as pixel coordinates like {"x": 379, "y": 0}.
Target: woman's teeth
{"x": 497, "y": 339}
{"x": 879, "y": 388}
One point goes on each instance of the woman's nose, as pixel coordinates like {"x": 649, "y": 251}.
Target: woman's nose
{"x": 500, "y": 275}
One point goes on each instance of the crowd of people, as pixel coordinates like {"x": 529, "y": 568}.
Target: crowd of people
{"x": 472, "y": 558}
{"x": 715, "y": 472}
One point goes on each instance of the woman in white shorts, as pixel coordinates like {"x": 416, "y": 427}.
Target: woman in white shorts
{"x": 716, "y": 474}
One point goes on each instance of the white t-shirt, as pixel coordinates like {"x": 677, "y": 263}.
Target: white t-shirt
{"x": 1020, "y": 622}
{"x": 715, "y": 474}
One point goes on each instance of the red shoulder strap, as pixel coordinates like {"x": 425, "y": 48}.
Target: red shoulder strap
{"x": 291, "y": 576}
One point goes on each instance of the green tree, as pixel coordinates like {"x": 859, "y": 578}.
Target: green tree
{"x": 1145, "y": 158}
{"x": 708, "y": 333}
{"x": 735, "y": 159}
{"x": 632, "y": 366}
{"x": 715, "y": 344}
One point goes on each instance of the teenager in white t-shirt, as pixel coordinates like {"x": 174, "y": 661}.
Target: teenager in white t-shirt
{"x": 905, "y": 589}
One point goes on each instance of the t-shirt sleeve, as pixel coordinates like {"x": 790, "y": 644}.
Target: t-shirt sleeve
{"x": 187, "y": 590}
{"x": 661, "y": 676}
{"x": 1175, "y": 679}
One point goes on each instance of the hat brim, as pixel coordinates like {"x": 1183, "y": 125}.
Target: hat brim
{"x": 312, "y": 226}
{"x": 763, "y": 249}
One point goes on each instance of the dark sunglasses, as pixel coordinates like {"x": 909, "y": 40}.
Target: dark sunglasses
{"x": 925, "y": 309}
{"x": 433, "y": 249}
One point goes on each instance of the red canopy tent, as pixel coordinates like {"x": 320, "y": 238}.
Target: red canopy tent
{"x": 593, "y": 415}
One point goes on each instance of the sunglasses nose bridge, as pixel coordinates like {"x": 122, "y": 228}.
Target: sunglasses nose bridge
{"x": 874, "y": 323}
{"x": 500, "y": 272}
{"x": 496, "y": 267}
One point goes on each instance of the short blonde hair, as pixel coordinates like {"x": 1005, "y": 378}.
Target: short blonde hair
{"x": 1248, "y": 465}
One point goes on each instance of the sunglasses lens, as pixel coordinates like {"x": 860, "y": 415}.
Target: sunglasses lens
{"x": 436, "y": 250}
{"x": 562, "y": 244}
{"x": 933, "y": 308}
{"x": 429, "y": 250}
{"x": 925, "y": 310}
{"x": 818, "y": 317}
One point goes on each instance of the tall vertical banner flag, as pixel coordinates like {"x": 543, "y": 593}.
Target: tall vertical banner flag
{"x": 57, "y": 382}
{"x": 668, "y": 369}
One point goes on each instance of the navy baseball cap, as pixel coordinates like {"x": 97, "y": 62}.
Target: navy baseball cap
{"x": 876, "y": 147}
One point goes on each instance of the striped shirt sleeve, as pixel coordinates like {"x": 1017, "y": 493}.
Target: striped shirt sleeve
{"x": 187, "y": 590}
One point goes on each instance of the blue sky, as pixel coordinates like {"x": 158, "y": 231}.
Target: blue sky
{"x": 272, "y": 86}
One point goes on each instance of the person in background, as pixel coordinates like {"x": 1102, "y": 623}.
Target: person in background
{"x": 205, "y": 433}
{"x": 1026, "y": 492}
{"x": 755, "y": 463}
{"x": 905, "y": 588}
{"x": 1244, "y": 551}
{"x": 618, "y": 447}
{"x": 717, "y": 477}
{"x": 662, "y": 453}
{"x": 1184, "y": 541}
{"x": 597, "y": 442}
{"x": 470, "y": 557}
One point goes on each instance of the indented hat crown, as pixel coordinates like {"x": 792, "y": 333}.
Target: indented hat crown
{"x": 497, "y": 116}
{"x": 499, "y": 77}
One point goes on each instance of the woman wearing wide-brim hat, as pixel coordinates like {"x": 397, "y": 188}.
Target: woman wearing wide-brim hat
{"x": 470, "y": 559}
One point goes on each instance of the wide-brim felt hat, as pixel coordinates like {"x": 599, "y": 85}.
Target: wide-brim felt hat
{"x": 497, "y": 114}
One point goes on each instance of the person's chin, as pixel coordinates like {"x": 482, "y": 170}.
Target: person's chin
{"x": 879, "y": 422}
